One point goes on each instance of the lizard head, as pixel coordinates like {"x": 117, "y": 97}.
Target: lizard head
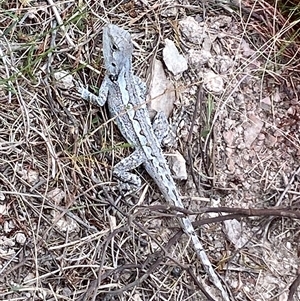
{"x": 117, "y": 50}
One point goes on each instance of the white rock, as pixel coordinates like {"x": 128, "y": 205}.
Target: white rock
{"x": 233, "y": 231}
{"x": 20, "y": 238}
{"x": 266, "y": 103}
{"x": 178, "y": 166}
{"x": 8, "y": 226}
{"x": 32, "y": 176}
{"x": 3, "y": 209}
{"x": 27, "y": 174}
{"x": 161, "y": 92}
{"x": 213, "y": 82}
{"x": 246, "y": 50}
{"x": 56, "y": 195}
{"x": 65, "y": 224}
{"x": 64, "y": 79}
{"x": 175, "y": 62}
{"x": 193, "y": 31}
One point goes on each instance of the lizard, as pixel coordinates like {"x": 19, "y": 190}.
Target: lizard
{"x": 125, "y": 95}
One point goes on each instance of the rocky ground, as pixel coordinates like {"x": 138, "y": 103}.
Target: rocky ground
{"x": 232, "y": 97}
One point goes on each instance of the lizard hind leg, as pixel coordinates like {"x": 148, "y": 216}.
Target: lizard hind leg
{"x": 162, "y": 130}
{"x": 128, "y": 181}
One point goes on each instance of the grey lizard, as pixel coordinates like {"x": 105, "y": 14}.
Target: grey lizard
{"x": 125, "y": 94}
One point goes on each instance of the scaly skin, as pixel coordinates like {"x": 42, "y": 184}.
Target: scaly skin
{"x": 125, "y": 95}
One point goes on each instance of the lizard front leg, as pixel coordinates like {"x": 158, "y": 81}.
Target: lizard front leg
{"x": 99, "y": 99}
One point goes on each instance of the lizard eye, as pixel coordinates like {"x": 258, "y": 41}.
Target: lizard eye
{"x": 114, "y": 47}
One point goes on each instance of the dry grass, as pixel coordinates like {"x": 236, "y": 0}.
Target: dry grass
{"x": 66, "y": 233}
{"x": 276, "y": 26}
